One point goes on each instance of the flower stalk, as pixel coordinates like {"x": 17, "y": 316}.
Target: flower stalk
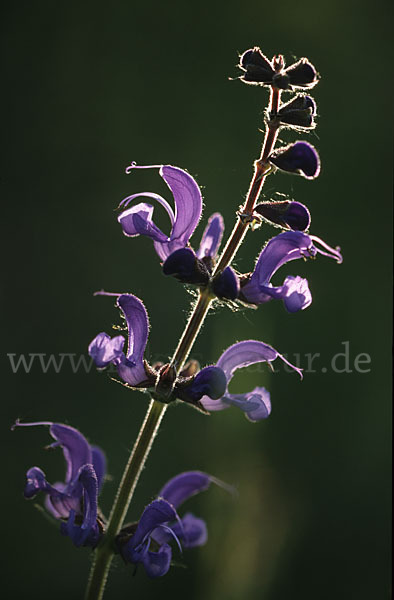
{"x": 156, "y": 410}
{"x": 105, "y": 551}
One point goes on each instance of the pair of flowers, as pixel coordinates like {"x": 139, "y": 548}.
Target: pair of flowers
{"x": 195, "y": 267}
{"x": 75, "y": 503}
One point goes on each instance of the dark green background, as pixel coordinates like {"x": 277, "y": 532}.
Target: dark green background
{"x": 91, "y": 86}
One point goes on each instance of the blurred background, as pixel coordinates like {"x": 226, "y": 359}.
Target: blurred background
{"x": 89, "y": 87}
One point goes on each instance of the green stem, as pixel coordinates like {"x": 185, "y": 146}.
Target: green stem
{"x": 105, "y": 551}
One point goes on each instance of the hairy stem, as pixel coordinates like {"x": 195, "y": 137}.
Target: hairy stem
{"x": 105, "y": 551}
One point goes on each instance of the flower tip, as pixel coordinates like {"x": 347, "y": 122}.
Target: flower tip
{"x": 16, "y": 424}
{"x": 131, "y": 166}
{"x": 231, "y": 489}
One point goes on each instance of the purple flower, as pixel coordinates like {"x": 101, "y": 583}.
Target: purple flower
{"x": 105, "y": 350}
{"x": 284, "y": 248}
{"x": 137, "y": 220}
{"x": 135, "y": 371}
{"x": 74, "y": 502}
{"x": 300, "y": 158}
{"x": 255, "y": 404}
{"x": 147, "y": 542}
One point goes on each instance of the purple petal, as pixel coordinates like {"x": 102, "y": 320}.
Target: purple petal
{"x": 298, "y": 296}
{"x": 132, "y": 370}
{"x": 181, "y": 487}
{"x": 137, "y": 220}
{"x": 237, "y": 356}
{"x": 211, "y": 237}
{"x": 283, "y": 248}
{"x": 191, "y": 531}
{"x": 210, "y": 381}
{"x": 156, "y": 513}
{"x": 87, "y": 532}
{"x": 99, "y": 464}
{"x": 36, "y": 482}
{"x": 256, "y": 404}
{"x": 188, "y": 208}
{"x": 104, "y": 349}
{"x": 76, "y": 448}
{"x": 157, "y": 564}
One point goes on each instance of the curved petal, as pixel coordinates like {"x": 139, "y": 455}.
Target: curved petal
{"x": 211, "y": 237}
{"x": 99, "y": 464}
{"x": 281, "y": 249}
{"x": 243, "y": 354}
{"x": 137, "y": 220}
{"x": 132, "y": 370}
{"x": 157, "y": 563}
{"x": 156, "y": 513}
{"x": 104, "y": 349}
{"x": 181, "y": 487}
{"x": 255, "y": 404}
{"x": 76, "y": 448}
{"x": 191, "y": 531}
{"x": 36, "y": 482}
{"x": 210, "y": 381}
{"x": 294, "y": 292}
{"x": 188, "y": 208}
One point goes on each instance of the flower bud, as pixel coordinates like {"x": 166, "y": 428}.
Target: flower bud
{"x": 301, "y": 74}
{"x": 286, "y": 213}
{"x": 300, "y": 158}
{"x": 226, "y": 285}
{"x": 257, "y": 67}
{"x": 185, "y": 266}
{"x": 299, "y": 112}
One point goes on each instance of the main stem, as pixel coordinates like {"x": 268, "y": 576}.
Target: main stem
{"x": 105, "y": 551}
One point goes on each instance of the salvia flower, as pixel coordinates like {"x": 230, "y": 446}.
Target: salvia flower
{"x": 148, "y": 541}
{"x": 259, "y": 70}
{"x": 288, "y": 214}
{"x": 73, "y": 502}
{"x": 184, "y": 218}
{"x": 255, "y": 404}
{"x": 300, "y": 158}
{"x": 135, "y": 371}
{"x": 179, "y": 259}
{"x": 283, "y": 248}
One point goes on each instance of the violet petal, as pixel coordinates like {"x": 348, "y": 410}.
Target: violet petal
{"x": 181, "y": 487}
{"x": 211, "y": 237}
{"x": 104, "y": 349}
{"x": 132, "y": 370}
